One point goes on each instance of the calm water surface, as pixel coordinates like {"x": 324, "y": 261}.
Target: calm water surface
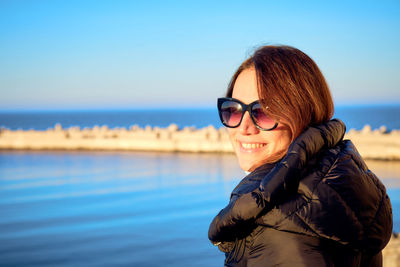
{"x": 120, "y": 208}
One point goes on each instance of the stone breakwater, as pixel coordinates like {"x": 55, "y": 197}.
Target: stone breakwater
{"x": 170, "y": 139}
{"x": 372, "y": 144}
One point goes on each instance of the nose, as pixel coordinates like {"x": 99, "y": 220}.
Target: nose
{"x": 247, "y": 126}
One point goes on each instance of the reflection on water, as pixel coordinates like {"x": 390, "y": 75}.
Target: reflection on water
{"x": 387, "y": 171}
{"x": 105, "y": 208}
{"x": 120, "y": 208}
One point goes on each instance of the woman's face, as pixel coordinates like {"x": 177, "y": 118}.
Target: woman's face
{"x": 254, "y": 147}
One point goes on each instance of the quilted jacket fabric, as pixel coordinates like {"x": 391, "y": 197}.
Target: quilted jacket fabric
{"x": 318, "y": 206}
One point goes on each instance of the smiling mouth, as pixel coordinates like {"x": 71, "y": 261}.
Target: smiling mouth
{"x": 250, "y": 147}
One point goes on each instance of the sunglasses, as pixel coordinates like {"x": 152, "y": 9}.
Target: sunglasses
{"x": 231, "y": 113}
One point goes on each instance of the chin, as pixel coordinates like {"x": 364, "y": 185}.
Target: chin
{"x": 249, "y": 166}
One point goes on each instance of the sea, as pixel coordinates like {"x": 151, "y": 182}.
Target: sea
{"x": 355, "y": 117}
{"x": 126, "y": 208}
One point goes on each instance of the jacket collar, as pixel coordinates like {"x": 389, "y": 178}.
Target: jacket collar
{"x": 283, "y": 179}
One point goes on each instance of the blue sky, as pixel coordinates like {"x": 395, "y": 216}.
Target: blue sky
{"x": 131, "y": 54}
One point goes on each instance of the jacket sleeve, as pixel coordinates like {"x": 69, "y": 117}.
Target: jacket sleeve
{"x": 237, "y": 219}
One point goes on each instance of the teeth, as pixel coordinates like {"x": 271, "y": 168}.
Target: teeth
{"x": 252, "y": 145}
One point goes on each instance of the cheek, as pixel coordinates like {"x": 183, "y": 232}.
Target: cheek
{"x": 231, "y": 134}
{"x": 277, "y": 140}
{"x": 281, "y": 141}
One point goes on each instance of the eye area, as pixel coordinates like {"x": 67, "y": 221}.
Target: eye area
{"x": 261, "y": 118}
{"x": 232, "y": 110}
{"x": 231, "y": 113}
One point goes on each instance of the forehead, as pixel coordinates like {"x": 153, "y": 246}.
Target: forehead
{"x": 245, "y": 88}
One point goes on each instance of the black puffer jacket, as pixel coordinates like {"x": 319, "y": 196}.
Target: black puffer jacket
{"x": 318, "y": 206}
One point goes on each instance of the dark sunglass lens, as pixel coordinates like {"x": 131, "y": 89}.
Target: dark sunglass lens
{"x": 231, "y": 113}
{"x": 262, "y": 119}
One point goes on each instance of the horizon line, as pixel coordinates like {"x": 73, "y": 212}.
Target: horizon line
{"x": 170, "y": 108}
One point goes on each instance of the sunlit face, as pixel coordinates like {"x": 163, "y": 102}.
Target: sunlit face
{"x": 254, "y": 147}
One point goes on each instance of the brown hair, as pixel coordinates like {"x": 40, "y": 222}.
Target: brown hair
{"x": 291, "y": 85}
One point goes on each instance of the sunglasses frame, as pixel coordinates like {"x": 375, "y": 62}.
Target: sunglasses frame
{"x": 245, "y": 108}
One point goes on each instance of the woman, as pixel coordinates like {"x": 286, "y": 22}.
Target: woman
{"x": 309, "y": 199}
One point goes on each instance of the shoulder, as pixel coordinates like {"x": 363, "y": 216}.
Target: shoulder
{"x": 338, "y": 199}
{"x": 343, "y": 170}
{"x": 349, "y": 202}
